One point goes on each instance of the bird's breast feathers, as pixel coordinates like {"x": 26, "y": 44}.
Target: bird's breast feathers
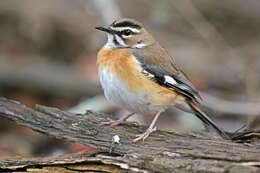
{"x": 128, "y": 72}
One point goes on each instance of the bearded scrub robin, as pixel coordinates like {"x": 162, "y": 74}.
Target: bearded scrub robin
{"x": 137, "y": 74}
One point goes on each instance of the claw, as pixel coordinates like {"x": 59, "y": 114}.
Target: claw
{"x": 144, "y": 135}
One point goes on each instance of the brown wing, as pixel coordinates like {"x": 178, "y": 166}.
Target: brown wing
{"x": 165, "y": 71}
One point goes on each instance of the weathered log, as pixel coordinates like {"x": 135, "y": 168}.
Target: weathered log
{"x": 163, "y": 151}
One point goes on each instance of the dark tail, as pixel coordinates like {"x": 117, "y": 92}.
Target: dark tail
{"x": 205, "y": 119}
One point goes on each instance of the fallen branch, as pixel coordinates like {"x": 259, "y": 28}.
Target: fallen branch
{"x": 162, "y": 152}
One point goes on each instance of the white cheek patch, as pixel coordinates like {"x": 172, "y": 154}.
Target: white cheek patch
{"x": 170, "y": 80}
{"x": 111, "y": 44}
{"x": 120, "y": 41}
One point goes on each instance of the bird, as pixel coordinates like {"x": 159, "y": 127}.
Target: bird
{"x": 137, "y": 74}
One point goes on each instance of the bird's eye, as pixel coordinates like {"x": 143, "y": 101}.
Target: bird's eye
{"x": 127, "y": 32}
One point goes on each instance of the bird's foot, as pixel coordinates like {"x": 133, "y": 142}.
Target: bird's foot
{"x": 117, "y": 122}
{"x": 144, "y": 135}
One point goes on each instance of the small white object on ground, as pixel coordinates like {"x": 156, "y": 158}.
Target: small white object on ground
{"x": 116, "y": 139}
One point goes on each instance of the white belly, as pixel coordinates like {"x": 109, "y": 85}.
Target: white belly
{"x": 118, "y": 93}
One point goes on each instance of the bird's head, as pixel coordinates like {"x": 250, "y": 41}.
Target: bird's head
{"x": 126, "y": 33}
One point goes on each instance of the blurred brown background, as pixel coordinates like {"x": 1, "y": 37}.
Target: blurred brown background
{"x": 48, "y": 56}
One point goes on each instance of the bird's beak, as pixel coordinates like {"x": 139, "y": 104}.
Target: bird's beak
{"x": 104, "y": 28}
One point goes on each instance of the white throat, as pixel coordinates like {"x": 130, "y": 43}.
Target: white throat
{"x": 109, "y": 44}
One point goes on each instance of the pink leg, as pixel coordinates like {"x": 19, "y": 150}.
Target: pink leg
{"x": 120, "y": 121}
{"x": 151, "y": 129}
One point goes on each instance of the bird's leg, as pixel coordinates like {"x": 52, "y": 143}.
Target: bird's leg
{"x": 151, "y": 129}
{"x": 120, "y": 121}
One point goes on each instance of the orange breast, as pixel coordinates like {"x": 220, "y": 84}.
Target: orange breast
{"x": 122, "y": 64}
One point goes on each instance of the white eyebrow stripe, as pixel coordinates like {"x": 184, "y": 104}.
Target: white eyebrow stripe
{"x": 124, "y": 28}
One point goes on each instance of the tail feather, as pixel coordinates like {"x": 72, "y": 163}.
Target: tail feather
{"x": 205, "y": 119}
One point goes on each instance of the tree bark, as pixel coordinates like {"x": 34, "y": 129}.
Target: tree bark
{"x": 163, "y": 151}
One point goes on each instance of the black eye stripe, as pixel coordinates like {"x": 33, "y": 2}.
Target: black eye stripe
{"x": 127, "y": 24}
{"x": 115, "y": 41}
{"x": 120, "y": 33}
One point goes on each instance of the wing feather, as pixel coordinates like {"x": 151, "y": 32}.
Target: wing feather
{"x": 156, "y": 61}
{"x": 177, "y": 82}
